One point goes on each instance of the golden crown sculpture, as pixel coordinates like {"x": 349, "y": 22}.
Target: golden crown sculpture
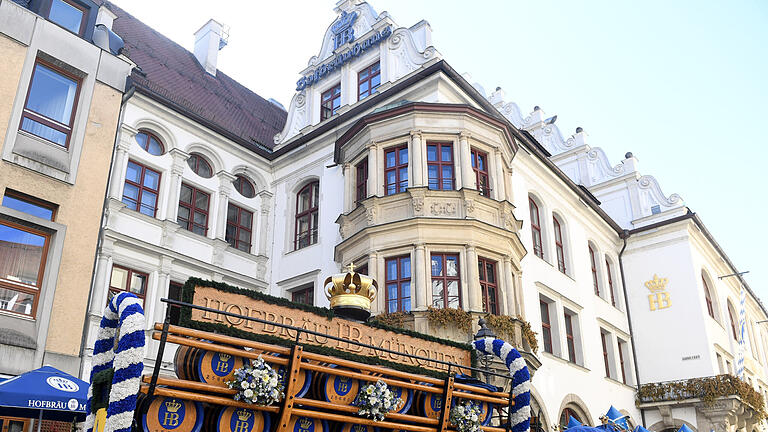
{"x": 656, "y": 284}
{"x": 172, "y": 405}
{"x": 351, "y": 293}
{"x": 243, "y": 414}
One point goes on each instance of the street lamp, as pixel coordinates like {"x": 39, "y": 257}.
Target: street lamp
{"x": 485, "y": 359}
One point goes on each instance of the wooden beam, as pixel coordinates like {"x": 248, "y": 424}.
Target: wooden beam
{"x": 292, "y": 383}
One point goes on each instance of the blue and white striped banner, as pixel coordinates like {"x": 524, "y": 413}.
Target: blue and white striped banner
{"x": 742, "y": 334}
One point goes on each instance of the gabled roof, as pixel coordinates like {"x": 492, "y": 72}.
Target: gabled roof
{"x": 171, "y": 75}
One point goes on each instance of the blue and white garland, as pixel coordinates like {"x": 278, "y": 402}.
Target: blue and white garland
{"x": 520, "y": 415}
{"x": 125, "y": 315}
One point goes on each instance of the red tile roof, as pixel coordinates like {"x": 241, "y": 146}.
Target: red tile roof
{"x": 171, "y": 75}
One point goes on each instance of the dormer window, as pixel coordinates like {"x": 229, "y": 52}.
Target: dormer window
{"x": 368, "y": 81}
{"x": 330, "y": 101}
{"x": 69, "y": 15}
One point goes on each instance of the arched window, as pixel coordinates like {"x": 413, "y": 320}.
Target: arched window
{"x": 200, "y": 166}
{"x": 559, "y": 249}
{"x": 708, "y": 297}
{"x": 733, "y": 322}
{"x": 244, "y": 186}
{"x": 593, "y": 264}
{"x": 306, "y": 215}
{"x": 150, "y": 143}
{"x": 610, "y": 281}
{"x": 536, "y": 229}
{"x": 566, "y": 415}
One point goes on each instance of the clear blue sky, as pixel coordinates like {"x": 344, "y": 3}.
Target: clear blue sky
{"x": 681, "y": 84}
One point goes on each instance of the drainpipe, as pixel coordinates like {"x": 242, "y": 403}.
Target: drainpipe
{"x": 84, "y": 339}
{"x": 624, "y": 236}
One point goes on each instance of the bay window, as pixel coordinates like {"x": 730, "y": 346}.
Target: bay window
{"x": 480, "y": 167}
{"x": 395, "y": 169}
{"x": 398, "y": 284}
{"x": 486, "y": 270}
{"x": 446, "y": 285}
{"x": 440, "y": 166}
{"x": 49, "y": 110}
{"x": 361, "y": 186}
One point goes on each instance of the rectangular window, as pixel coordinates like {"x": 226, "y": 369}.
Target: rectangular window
{"x": 368, "y": 81}
{"x": 489, "y": 287}
{"x": 239, "y": 228}
{"x": 546, "y": 326}
{"x": 480, "y": 166}
{"x": 593, "y": 263}
{"x": 559, "y": 249}
{"x": 174, "y": 293}
{"x": 606, "y": 361}
{"x": 69, "y": 15}
{"x": 22, "y": 263}
{"x": 569, "y": 337}
{"x": 535, "y": 229}
{"x": 125, "y": 279}
{"x": 446, "y": 285}
{"x": 49, "y": 110}
{"x": 193, "y": 209}
{"x": 304, "y": 296}
{"x": 142, "y": 186}
{"x": 29, "y": 205}
{"x": 440, "y": 166}
{"x": 361, "y": 189}
{"x": 610, "y": 282}
{"x": 330, "y": 101}
{"x": 395, "y": 169}
{"x": 398, "y": 280}
{"x": 307, "y": 210}
{"x": 622, "y": 347}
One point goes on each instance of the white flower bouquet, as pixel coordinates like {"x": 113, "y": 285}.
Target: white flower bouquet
{"x": 257, "y": 383}
{"x": 465, "y": 415}
{"x": 375, "y": 401}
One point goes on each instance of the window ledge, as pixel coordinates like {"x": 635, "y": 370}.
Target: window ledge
{"x": 247, "y": 255}
{"x": 189, "y": 234}
{"x": 615, "y": 381}
{"x": 302, "y": 249}
{"x": 564, "y": 361}
{"x": 17, "y": 315}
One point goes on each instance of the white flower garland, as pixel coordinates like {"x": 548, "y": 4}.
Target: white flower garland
{"x": 465, "y": 415}
{"x": 375, "y": 401}
{"x": 257, "y": 383}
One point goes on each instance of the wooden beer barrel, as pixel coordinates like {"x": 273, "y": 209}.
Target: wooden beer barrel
{"x": 182, "y": 360}
{"x": 216, "y": 368}
{"x": 162, "y": 414}
{"x": 486, "y": 408}
{"x": 304, "y": 380}
{"x": 404, "y": 397}
{"x": 429, "y": 405}
{"x": 232, "y": 419}
{"x": 352, "y": 427}
{"x": 334, "y": 388}
{"x": 307, "y": 424}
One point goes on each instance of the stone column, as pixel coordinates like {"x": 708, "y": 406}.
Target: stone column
{"x": 102, "y": 277}
{"x": 222, "y": 204}
{"x": 127, "y": 136}
{"x": 373, "y": 272}
{"x": 266, "y": 207}
{"x": 468, "y": 180}
{"x": 507, "y": 291}
{"x": 474, "y": 295}
{"x": 374, "y": 171}
{"x": 350, "y": 183}
{"x": 174, "y": 183}
{"x": 417, "y": 161}
{"x": 501, "y": 192}
{"x": 419, "y": 288}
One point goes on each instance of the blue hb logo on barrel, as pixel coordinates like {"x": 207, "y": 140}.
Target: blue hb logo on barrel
{"x": 436, "y": 402}
{"x": 342, "y": 385}
{"x": 242, "y": 421}
{"x": 222, "y": 364}
{"x": 171, "y": 413}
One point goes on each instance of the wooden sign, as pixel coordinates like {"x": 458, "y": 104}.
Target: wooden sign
{"x": 346, "y": 330}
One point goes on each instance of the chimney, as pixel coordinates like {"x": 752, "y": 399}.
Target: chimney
{"x": 106, "y": 17}
{"x": 208, "y": 41}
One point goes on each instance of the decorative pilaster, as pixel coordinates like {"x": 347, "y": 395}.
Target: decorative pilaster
{"x": 127, "y": 136}
{"x": 266, "y": 207}
{"x": 468, "y": 180}
{"x": 419, "y": 288}
{"x": 349, "y": 187}
{"x": 225, "y": 190}
{"x": 378, "y": 305}
{"x": 501, "y": 193}
{"x": 101, "y": 279}
{"x": 507, "y": 291}
{"x": 174, "y": 184}
{"x": 374, "y": 173}
{"x": 415, "y": 153}
{"x": 473, "y": 291}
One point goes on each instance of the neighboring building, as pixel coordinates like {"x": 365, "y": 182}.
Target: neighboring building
{"x": 59, "y": 110}
{"x": 451, "y": 199}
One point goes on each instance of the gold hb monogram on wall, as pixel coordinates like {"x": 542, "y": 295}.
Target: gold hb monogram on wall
{"x": 659, "y": 298}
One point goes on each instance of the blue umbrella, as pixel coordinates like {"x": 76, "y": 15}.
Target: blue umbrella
{"x": 45, "y": 393}
{"x": 617, "y": 418}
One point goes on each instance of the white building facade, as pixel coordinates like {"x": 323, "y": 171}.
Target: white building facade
{"x": 450, "y": 198}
